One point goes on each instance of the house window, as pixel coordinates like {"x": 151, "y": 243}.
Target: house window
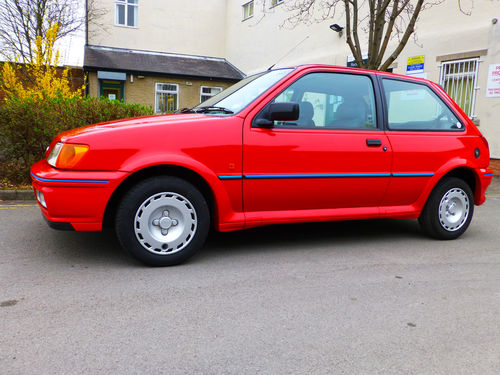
{"x": 126, "y": 12}
{"x": 207, "y": 92}
{"x": 248, "y": 10}
{"x": 275, "y": 2}
{"x": 167, "y": 97}
{"x": 459, "y": 79}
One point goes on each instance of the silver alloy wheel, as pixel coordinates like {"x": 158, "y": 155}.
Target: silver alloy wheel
{"x": 165, "y": 223}
{"x": 453, "y": 209}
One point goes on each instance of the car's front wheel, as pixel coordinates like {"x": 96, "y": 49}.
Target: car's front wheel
{"x": 449, "y": 209}
{"x": 162, "y": 221}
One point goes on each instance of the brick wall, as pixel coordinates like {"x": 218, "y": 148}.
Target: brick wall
{"x": 76, "y": 77}
{"x": 495, "y": 166}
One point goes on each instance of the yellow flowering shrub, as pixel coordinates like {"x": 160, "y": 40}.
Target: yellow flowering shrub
{"x": 39, "y": 79}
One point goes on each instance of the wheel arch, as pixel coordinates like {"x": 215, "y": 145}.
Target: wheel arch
{"x": 465, "y": 174}
{"x": 164, "y": 169}
{"x": 471, "y": 177}
{"x": 462, "y": 171}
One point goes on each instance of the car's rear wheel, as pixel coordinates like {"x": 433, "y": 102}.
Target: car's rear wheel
{"x": 162, "y": 221}
{"x": 449, "y": 209}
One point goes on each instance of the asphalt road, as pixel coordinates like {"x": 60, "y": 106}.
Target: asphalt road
{"x": 369, "y": 297}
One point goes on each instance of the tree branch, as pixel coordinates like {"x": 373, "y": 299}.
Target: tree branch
{"x": 409, "y": 30}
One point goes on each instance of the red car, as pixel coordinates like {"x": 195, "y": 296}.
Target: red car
{"x": 311, "y": 143}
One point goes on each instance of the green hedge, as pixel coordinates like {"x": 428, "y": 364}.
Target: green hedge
{"x": 27, "y": 126}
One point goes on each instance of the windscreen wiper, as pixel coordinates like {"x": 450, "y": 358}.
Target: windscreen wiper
{"x": 187, "y": 110}
{"x": 210, "y": 108}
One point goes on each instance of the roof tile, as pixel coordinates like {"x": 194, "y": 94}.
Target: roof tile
{"x": 159, "y": 63}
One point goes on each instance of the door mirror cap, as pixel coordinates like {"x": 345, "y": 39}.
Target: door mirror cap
{"x": 284, "y": 111}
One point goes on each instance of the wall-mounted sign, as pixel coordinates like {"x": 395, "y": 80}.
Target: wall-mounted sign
{"x": 493, "y": 85}
{"x": 351, "y": 62}
{"x": 415, "y": 64}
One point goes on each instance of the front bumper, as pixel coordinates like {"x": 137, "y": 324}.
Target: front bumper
{"x": 75, "y": 198}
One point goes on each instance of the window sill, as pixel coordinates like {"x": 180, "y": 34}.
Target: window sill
{"x": 126, "y": 27}
{"x": 246, "y": 19}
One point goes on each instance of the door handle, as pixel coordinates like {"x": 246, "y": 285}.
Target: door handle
{"x": 373, "y": 142}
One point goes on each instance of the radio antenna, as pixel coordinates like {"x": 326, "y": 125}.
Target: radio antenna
{"x": 290, "y": 51}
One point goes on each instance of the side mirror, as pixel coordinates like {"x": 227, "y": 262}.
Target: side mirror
{"x": 283, "y": 111}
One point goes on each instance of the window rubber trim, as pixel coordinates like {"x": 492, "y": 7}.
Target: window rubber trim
{"x": 386, "y": 113}
{"x": 378, "y": 105}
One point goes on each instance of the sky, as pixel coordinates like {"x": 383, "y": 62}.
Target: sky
{"x": 71, "y": 49}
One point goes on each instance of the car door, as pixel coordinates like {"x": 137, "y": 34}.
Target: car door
{"x": 334, "y": 156}
{"x": 424, "y": 133}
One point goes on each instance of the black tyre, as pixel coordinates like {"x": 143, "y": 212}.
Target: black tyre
{"x": 162, "y": 221}
{"x": 449, "y": 209}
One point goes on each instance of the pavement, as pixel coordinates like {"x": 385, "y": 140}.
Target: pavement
{"x": 494, "y": 188}
{"x": 17, "y": 195}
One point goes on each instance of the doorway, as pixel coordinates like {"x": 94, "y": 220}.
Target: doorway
{"x": 112, "y": 90}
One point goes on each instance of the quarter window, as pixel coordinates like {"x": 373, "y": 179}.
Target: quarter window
{"x": 331, "y": 100}
{"x": 247, "y": 10}
{"x": 413, "y": 106}
{"x": 207, "y": 92}
{"x": 126, "y": 12}
{"x": 167, "y": 97}
{"x": 275, "y": 2}
{"x": 459, "y": 79}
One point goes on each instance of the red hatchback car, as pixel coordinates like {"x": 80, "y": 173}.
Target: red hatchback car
{"x": 311, "y": 143}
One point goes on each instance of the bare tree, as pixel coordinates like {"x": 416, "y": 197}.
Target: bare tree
{"x": 22, "y": 21}
{"x": 384, "y": 21}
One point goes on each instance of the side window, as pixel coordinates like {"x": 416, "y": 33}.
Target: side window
{"x": 413, "y": 106}
{"x": 331, "y": 100}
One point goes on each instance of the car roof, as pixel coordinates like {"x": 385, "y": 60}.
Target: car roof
{"x": 346, "y": 69}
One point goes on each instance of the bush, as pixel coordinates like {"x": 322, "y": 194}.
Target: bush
{"x": 28, "y": 125}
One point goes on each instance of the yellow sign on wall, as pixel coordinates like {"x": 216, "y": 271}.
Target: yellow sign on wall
{"x": 416, "y": 60}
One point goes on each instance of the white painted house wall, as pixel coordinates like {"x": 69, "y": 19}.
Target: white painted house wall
{"x": 215, "y": 28}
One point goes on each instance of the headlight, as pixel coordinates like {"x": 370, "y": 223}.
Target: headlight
{"x": 66, "y": 155}
{"x": 52, "y": 158}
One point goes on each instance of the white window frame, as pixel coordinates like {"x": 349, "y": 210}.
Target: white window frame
{"x": 166, "y": 92}
{"x": 246, "y": 6}
{"x": 126, "y": 4}
{"x": 450, "y": 76}
{"x": 208, "y": 95}
{"x": 275, "y": 3}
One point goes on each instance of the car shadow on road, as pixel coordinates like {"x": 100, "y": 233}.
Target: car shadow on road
{"x": 286, "y": 237}
{"x": 90, "y": 248}
{"x": 103, "y": 248}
